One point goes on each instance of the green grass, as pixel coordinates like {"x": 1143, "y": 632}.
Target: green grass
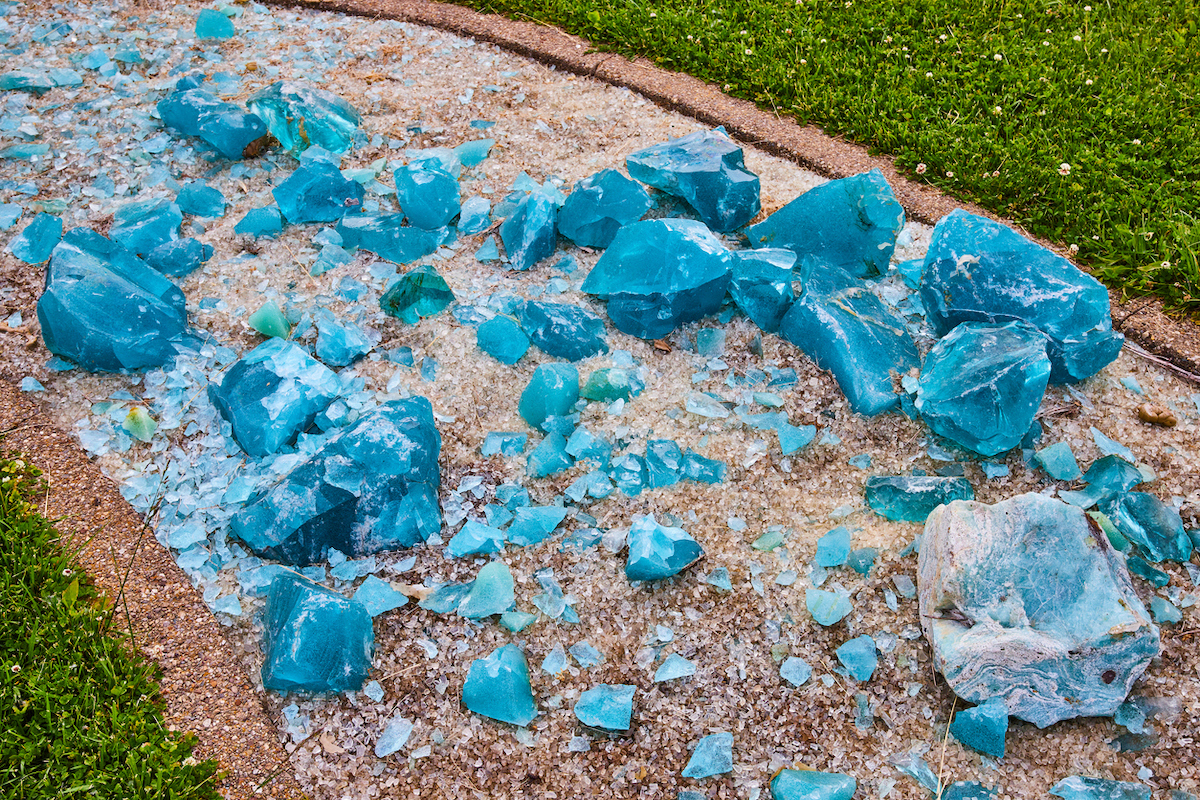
{"x": 79, "y": 715}
{"x": 991, "y": 96}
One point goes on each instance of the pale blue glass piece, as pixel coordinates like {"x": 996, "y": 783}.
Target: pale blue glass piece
{"x": 673, "y": 668}
{"x": 517, "y": 621}
{"x": 702, "y": 470}
{"x": 910, "y": 272}
{"x": 1155, "y": 528}
{"x": 378, "y": 596}
{"x": 859, "y": 657}
{"x": 794, "y": 437}
{"x": 664, "y": 463}
{"x": 142, "y": 225}
{"x": 498, "y": 687}
{"x": 139, "y": 424}
{"x": 445, "y": 598}
{"x": 563, "y": 330}
{"x": 551, "y": 392}
{"x": 910, "y": 499}
{"x": 611, "y": 383}
{"x": 586, "y": 655}
{"x": 270, "y": 321}
{"x": 555, "y": 661}
{"x": 331, "y": 256}
{"x": 1111, "y": 447}
{"x": 25, "y": 151}
{"x": 211, "y": 24}
{"x": 420, "y": 292}
{"x": 599, "y": 205}
{"x": 105, "y": 310}
{"x": 982, "y": 384}
{"x": 512, "y": 495}
{"x": 795, "y": 671}
{"x": 583, "y": 446}
{"x": 1165, "y": 613}
{"x": 705, "y": 405}
{"x": 442, "y": 158}
{"x": 1112, "y": 475}
{"x": 31, "y": 384}
{"x": 26, "y": 81}
{"x": 491, "y": 592}
{"x": 474, "y": 539}
{"x": 394, "y": 736}
{"x": 1079, "y": 788}
{"x": 387, "y": 236}
{"x": 608, "y": 707}
{"x": 771, "y": 540}
{"x": 797, "y": 784}
{"x": 502, "y": 339}
{"x": 507, "y": 444}
{"x": 1147, "y": 571}
{"x": 706, "y": 169}
{"x": 475, "y": 217}
{"x": 827, "y": 608}
{"x": 488, "y": 251}
{"x": 338, "y": 344}
{"x": 983, "y": 727}
{"x": 657, "y": 551}
{"x": 314, "y": 639}
{"x": 529, "y": 232}
{"x": 761, "y": 284}
{"x": 851, "y": 224}
{"x": 860, "y": 461}
{"x": 967, "y": 790}
{"x": 862, "y": 559}
{"x": 833, "y": 548}
{"x": 265, "y": 221}
{"x": 301, "y": 116}
{"x": 201, "y": 200}
{"x": 428, "y": 196}
{"x": 9, "y": 214}
{"x": 1059, "y": 461}
{"x": 713, "y": 756}
{"x": 630, "y": 474}
{"x": 659, "y": 274}
{"x": 472, "y": 153}
{"x": 980, "y": 270}
{"x": 534, "y": 524}
{"x": 317, "y": 192}
{"x": 917, "y": 768}
{"x": 710, "y": 342}
{"x": 179, "y": 258}
{"x": 719, "y": 578}
{"x": 550, "y": 457}
{"x": 37, "y": 241}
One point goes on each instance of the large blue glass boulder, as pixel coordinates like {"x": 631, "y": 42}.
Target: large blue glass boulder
{"x": 428, "y": 195}
{"x": 762, "y": 285}
{"x": 372, "y": 487}
{"x": 911, "y": 498}
{"x": 272, "y": 394}
{"x": 317, "y": 192}
{"x": 851, "y": 223}
{"x": 706, "y": 169}
{"x": 599, "y": 205}
{"x": 981, "y": 385}
{"x": 143, "y": 225}
{"x": 314, "y": 639}
{"x": 1155, "y": 528}
{"x": 498, "y": 687}
{"x": 300, "y": 116}
{"x": 387, "y": 236}
{"x": 551, "y": 392}
{"x": 231, "y": 131}
{"x": 1027, "y": 602}
{"x": 977, "y": 270}
{"x": 563, "y": 330}
{"x": 659, "y": 274}
{"x": 657, "y": 551}
{"x": 104, "y": 309}
{"x": 530, "y": 231}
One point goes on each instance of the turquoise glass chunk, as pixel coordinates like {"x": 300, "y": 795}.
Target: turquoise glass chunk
{"x": 1111, "y": 447}
{"x": 1112, "y": 476}
{"x": 659, "y": 274}
{"x": 761, "y": 284}
{"x": 795, "y": 671}
{"x": 968, "y": 790}
{"x": 657, "y": 551}
{"x": 272, "y": 394}
{"x": 317, "y": 192}
{"x": 143, "y": 225}
{"x": 498, "y": 687}
{"x": 179, "y": 258}
{"x": 475, "y": 217}
{"x": 339, "y": 344}
{"x": 702, "y": 470}
{"x": 300, "y": 116}
{"x": 387, "y": 236}
{"x": 517, "y": 621}
{"x": 472, "y": 153}
{"x": 982, "y": 384}
{"x": 428, "y": 195}
{"x": 599, "y": 205}
{"x": 629, "y": 473}
{"x": 608, "y": 707}
{"x": 977, "y": 270}
{"x": 611, "y": 383}
{"x": 534, "y": 524}
{"x": 37, "y": 241}
{"x": 983, "y": 727}
{"x": 827, "y": 608}
{"x": 664, "y": 463}
{"x": 314, "y": 639}
{"x": 851, "y": 224}
{"x": 706, "y": 169}
{"x": 1165, "y": 613}
{"x": 26, "y": 151}
{"x": 1153, "y": 527}
{"x": 563, "y": 330}
{"x": 859, "y": 657}
{"x": 212, "y": 24}
{"x": 491, "y": 592}
{"x": 862, "y": 559}
{"x": 673, "y": 668}
{"x": 713, "y": 756}
{"x": 1078, "y": 788}
{"x": 445, "y": 598}
{"x": 504, "y": 443}
{"x": 475, "y": 539}
{"x": 502, "y": 339}
{"x": 551, "y": 392}
{"x": 918, "y": 769}
{"x": 420, "y": 292}
{"x": 910, "y": 499}
{"x": 1147, "y": 571}
{"x": 530, "y": 231}
{"x": 583, "y": 446}
{"x": 833, "y": 548}
{"x": 797, "y": 784}
{"x": 23, "y": 80}
{"x": 550, "y": 457}
{"x": 265, "y": 221}
{"x": 1059, "y": 461}
{"x": 270, "y": 321}
{"x": 587, "y": 655}
{"x": 378, "y": 596}
{"x": 231, "y": 131}
{"x": 719, "y": 578}
{"x": 201, "y": 200}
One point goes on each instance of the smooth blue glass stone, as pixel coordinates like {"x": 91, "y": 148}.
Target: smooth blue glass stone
{"x": 272, "y": 394}
{"x": 851, "y": 224}
{"x": 211, "y": 24}
{"x": 498, "y": 687}
{"x": 702, "y": 470}
{"x": 761, "y": 285}
{"x": 143, "y": 225}
{"x": 1153, "y": 527}
{"x": 983, "y": 727}
{"x": 706, "y": 169}
{"x": 664, "y": 463}
{"x": 491, "y": 592}
{"x": 550, "y": 457}
{"x": 301, "y": 116}
{"x": 508, "y": 444}
{"x": 910, "y": 499}
{"x": 530, "y": 231}
{"x": 796, "y": 784}
{"x": 317, "y": 192}
{"x": 608, "y": 707}
{"x": 833, "y": 548}
{"x": 179, "y": 258}
{"x": 674, "y": 667}
{"x": 713, "y": 756}
{"x": 201, "y": 200}
{"x": 378, "y": 596}
{"x": 552, "y": 391}
{"x": 795, "y": 671}
{"x": 502, "y": 339}
{"x": 388, "y": 237}
{"x": 473, "y": 153}
{"x": 475, "y": 217}
{"x": 420, "y": 292}
{"x": 105, "y": 310}
{"x": 657, "y": 551}
{"x": 1078, "y": 788}
{"x": 373, "y": 486}
{"x": 859, "y": 657}
{"x": 658, "y": 274}
{"x": 599, "y": 205}
{"x": 37, "y": 241}
{"x": 977, "y": 270}
{"x": 428, "y": 196}
{"x": 563, "y": 330}
{"x": 534, "y": 524}
{"x": 314, "y": 639}
{"x": 827, "y": 608}
{"x": 609, "y": 384}
{"x": 265, "y": 221}
{"x": 1059, "y": 461}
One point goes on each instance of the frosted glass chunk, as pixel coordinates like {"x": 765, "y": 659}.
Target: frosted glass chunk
{"x": 491, "y": 592}
{"x": 317, "y": 192}
{"x": 910, "y": 499}
{"x": 674, "y": 667}
{"x": 378, "y": 596}
{"x": 420, "y": 292}
{"x": 608, "y": 707}
{"x": 796, "y": 784}
{"x": 212, "y": 24}
{"x": 529, "y": 232}
{"x": 599, "y": 205}
{"x": 299, "y": 116}
{"x": 1154, "y": 528}
{"x": 142, "y": 225}
{"x": 502, "y": 339}
{"x": 761, "y": 285}
{"x": 37, "y": 240}
{"x": 1078, "y": 788}
{"x": 200, "y": 199}
{"x": 983, "y": 727}
{"x": 551, "y": 392}
{"x": 827, "y": 608}
{"x": 498, "y": 687}
{"x": 428, "y": 196}
{"x": 713, "y": 756}
{"x": 1059, "y": 461}
{"x": 388, "y": 237}
{"x": 657, "y": 551}
{"x": 859, "y": 657}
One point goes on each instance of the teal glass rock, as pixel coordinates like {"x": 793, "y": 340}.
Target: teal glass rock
{"x": 550, "y": 457}
{"x": 179, "y": 258}
{"x": 395, "y": 735}
{"x": 713, "y": 756}
{"x": 377, "y": 596}
{"x": 272, "y": 394}
{"x": 428, "y": 196}
{"x": 475, "y": 539}
{"x": 475, "y": 216}
{"x": 851, "y": 224}
{"x": 664, "y": 463}
{"x": 673, "y": 668}
{"x": 982, "y": 384}
{"x": 201, "y": 200}
{"x": 587, "y": 655}
{"x": 534, "y": 524}
{"x": 472, "y": 153}
{"x": 795, "y": 671}
{"x": 862, "y": 559}
{"x": 1026, "y": 602}
{"x": 607, "y": 707}
{"x": 530, "y": 232}
{"x": 562, "y": 330}
{"x": 491, "y": 592}
{"x": 22, "y": 80}
{"x": 231, "y": 131}
{"x": 339, "y": 344}
{"x": 983, "y": 727}
{"x": 1147, "y": 571}
{"x": 212, "y": 24}
{"x": 301, "y": 116}
{"x": 1059, "y": 461}
{"x": 270, "y": 321}
{"x": 517, "y": 621}
{"x": 910, "y": 499}
{"x": 859, "y": 657}
{"x": 317, "y": 192}
{"x": 761, "y": 285}
{"x": 657, "y": 552}
{"x": 1153, "y": 527}
{"x": 37, "y": 241}
{"x": 445, "y": 598}
{"x": 551, "y": 392}
{"x": 659, "y": 274}
{"x": 1113, "y": 475}
{"x": 265, "y": 221}
{"x": 143, "y": 225}
{"x": 105, "y": 310}
{"x": 388, "y": 237}
{"x": 314, "y": 639}
{"x": 611, "y": 383}
{"x": 833, "y": 548}
{"x": 803, "y": 784}
{"x": 1078, "y": 788}
{"x": 502, "y": 339}
{"x": 420, "y": 292}
{"x": 851, "y": 333}
{"x": 827, "y": 608}
{"x": 967, "y": 790}
{"x": 599, "y": 205}
{"x": 706, "y": 169}
{"x": 508, "y": 444}
{"x": 498, "y": 687}
{"x": 373, "y": 486}
{"x": 977, "y": 270}
{"x": 702, "y": 470}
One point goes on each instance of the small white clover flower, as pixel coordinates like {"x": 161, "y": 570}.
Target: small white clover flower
{"x": 943, "y": 37}
{"x": 997, "y": 57}
{"x": 804, "y": 61}
{"x": 949, "y": 173}
{"x": 1137, "y": 141}
{"x": 1074, "y": 249}
{"x": 1087, "y": 8}
{"x": 1045, "y": 44}
{"x": 921, "y": 169}
{"x": 928, "y": 74}
{"x": 1064, "y": 168}
{"x": 1166, "y": 265}
{"x": 1077, "y": 38}
{"x": 15, "y": 668}
{"x": 1088, "y": 82}
{"x": 67, "y": 573}
{"x": 749, "y": 52}
{"x": 997, "y": 110}
{"x": 653, "y": 15}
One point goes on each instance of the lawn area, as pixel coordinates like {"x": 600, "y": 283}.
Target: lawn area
{"x": 79, "y": 716}
{"x": 1077, "y": 121}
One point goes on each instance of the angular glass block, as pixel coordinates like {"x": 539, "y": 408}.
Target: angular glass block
{"x": 795, "y": 671}
{"x": 983, "y": 727}
{"x": 299, "y": 116}
{"x": 201, "y": 200}
{"x": 664, "y": 463}
{"x": 608, "y": 707}
{"x": 657, "y": 551}
{"x": 552, "y": 391}
{"x": 1155, "y": 528}
{"x": 797, "y": 784}
{"x": 378, "y": 596}
{"x": 179, "y": 258}
{"x": 212, "y": 24}
{"x": 37, "y": 241}
{"x": 498, "y": 687}
{"x": 270, "y": 321}
{"x": 508, "y": 444}
{"x": 428, "y": 195}
{"x": 702, "y": 470}
{"x": 761, "y": 285}
{"x": 142, "y": 225}
{"x": 599, "y": 205}
{"x": 1077, "y": 788}
{"x": 833, "y": 548}
{"x": 265, "y": 221}
{"x": 1059, "y": 461}
{"x": 491, "y": 592}
{"x": 563, "y": 330}
{"x": 611, "y": 383}
{"x": 550, "y": 457}
{"x": 231, "y": 131}
{"x": 534, "y": 524}
{"x": 395, "y": 735}
{"x": 388, "y": 237}
{"x": 673, "y": 668}
{"x": 475, "y": 539}
{"x": 827, "y": 608}
{"x": 420, "y": 292}
{"x": 475, "y": 217}
{"x": 472, "y": 153}
{"x": 910, "y": 499}
{"x": 317, "y": 192}
{"x": 502, "y": 339}
{"x": 530, "y": 231}
{"x": 859, "y": 657}
{"x": 713, "y": 756}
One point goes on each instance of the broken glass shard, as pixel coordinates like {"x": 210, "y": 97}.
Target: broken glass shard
{"x": 394, "y": 736}
{"x": 143, "y": 225}
{"x": 761, "y": 285}
{"x": 910, "y": 499}
{"x": 599, "y": 205}
{"x": 517, "y": 621}
{"x": 270, "y": 321}
{"x": 586, "y": 655}
{"x": 795, "y": 671}
{"x": 498, "y": 687}
{"x": 300, "y": 116}
{"x": 472, "y": 153}
{"x": 563, "y": 330}
{"x": 491, "y": 592}
{"x": 1164, "y": 612}
{"x": 1111, "y": 447}
{"x": 664, "y": 463}
{"x": 37, "y": 241}
{"x": 378, "y": 596}
{"x": 608, "y": 707}
{"x": 550, "y": 457}
{"x": 179, "y": 258}
{"x": 534, "y": 524}
{"x": 983, "y": 727}
{"x": 231, "y": 131}
{"x": 1155, "y": 528}
{"x": 265, "y": 221}
{"x": 611, "y": 383}
{"x": 474, "y": 539}
{"x": 967, "y": 790}
{"x": 529, "y": 232}
{"x": 797, "y": 784}
{"x": 200, "y": 199}
{"x": 859, "y": 657}
{"x": 507, "y": 444}
{"x": 657, "y": 551}
{"x": 827, "y": 608}
{"x": 833, "y": 548}
{"x": 1059, "y": 461}
{"x": 502, "y": 339}
{"x": 551, "y": 392}
{"x": 1079, "y": 788}
{"x": 428, "y": 195}
{"x": 139, "y": 424}
{"x": 475, "y": 216}
{"x": 212, "y": 24}
{"x": 420, "y": 292}
{"x": 317, "y": 192}
{"x": 702, "y": 470}
{"x": 445, "y": 598}
{"x": 339, "y": 344}
{"x": 674, "y": 667}
{"x": 713, "y": 756}
{"x": 387, "y": 236}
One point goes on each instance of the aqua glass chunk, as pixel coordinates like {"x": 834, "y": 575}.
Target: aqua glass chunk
{"x": 719, "y": 578}
{"x": 563, "y": 330}
{"x": 980, "y": 270}
{"x": 491, "y": 592}
{"x": 104, "y": 309}
{"x": 488, "y": 251}
{"x": 608, "y": 707}
{"x": 1059, "y": 461}
{"x": 587, "y": 655}
{"x": 833, "y": 548}
{"x": 1111, "y": 447}
{"x": 967, "y": 790}
{"x": 1022, "y": 602}
{"x": 472, "y": 153}
{"x": 314, "y": 639}
{"x": 24, "y": 151}
{"x": 534, "y": 524}
{"x": 9, "y": 214}
{"x": 918, "y": 769}
{"x": 139, "y": 424}
{"x": 664, "y": 463}
{"x": 582, "y": 445}
{"x": 475, "y": 217}
{"x": 710, "y": 342}
{"x": 517, "y": 621}
{"x": 910, "y": 499}
{"x": 179, "y": 258}
{"x": 1155, "y": 528}
{"x": 529, "y": 232}
{"x": 551, "y": 392}
{"x": 502, "y": 339}
{"x": 795, "y": 671}
{"x": 1078, "y": 788}
{"x": 761, "y": 284}
{"x": 340, "y": 344}
{"x": 859, "y": 657}
{"x": 420, "y": 292}
{"x": 142, "y": 225}
{"x": 983, "y": 727}
{"x": 659, "y": 274}
{"x": 270, "y": 321}
{"x": 428, "y": 196}
{"x": 797, "y": 784}
{"x": 630, "y": 474}
{"x": 706, "y": 169}
{"x": 555, "y": 661}
{"x": 300, "y": 116}
{"x": 212, "y": 24}
{"x": 508, "y": 444}
{"x": 851, "y": 224}
{"x": 599, "y": 205}
{"x": 265, "y": 221}
{"x": 1165, "y": 613}
{"x": 862, "y": 559}
{"x": 794, "y": 437}
{"x": 702, "y": 470}
{"x": 37, "y": 241}
{"x": 395, "y": 735}
{"x": 378, "y": 596}
{"x": 713, "y": 756}
{"x": 1147, "y": 571}
{"x": 657, "y": 551}
{"x": 611, "y": 383}
{"x": 193, "y": 111}
{"x": 387, "y": 236}
{"x": 373, "y": 486}
{"x": 26, "y": 81}
{"x": 317, "y": 192}
{"x": 445, "y": 598}
{"x": 200, "y": 199}
{"x": 674, "y": 667}
{"x": 827, "y": 608}
{"x": 550, "y": 457}
{"x": 1112, "y": 476}
{"x": 475, "y": 539}
{"x": 498, "y": 687}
